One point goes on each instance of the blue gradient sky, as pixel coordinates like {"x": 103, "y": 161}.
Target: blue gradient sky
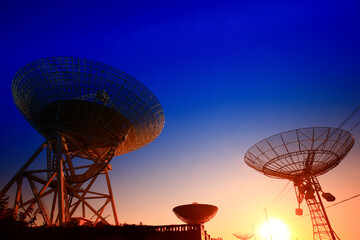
{"x": 227, "y": 74}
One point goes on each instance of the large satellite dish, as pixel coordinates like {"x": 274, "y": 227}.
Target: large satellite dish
{"x": 88, "y": 112}
{"x": 300, "y": 156}
{"x": 103, "y": 111}
{"x": 195, "y": 213}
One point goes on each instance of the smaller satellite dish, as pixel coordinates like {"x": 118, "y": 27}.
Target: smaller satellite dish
{"x": 243, "y": 236}
{"x": 195, "y": 213}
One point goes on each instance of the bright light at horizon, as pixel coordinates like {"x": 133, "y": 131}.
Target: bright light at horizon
{"x": 279, "y": 231}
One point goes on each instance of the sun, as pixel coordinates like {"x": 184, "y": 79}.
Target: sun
{"x": 278, "y": 230}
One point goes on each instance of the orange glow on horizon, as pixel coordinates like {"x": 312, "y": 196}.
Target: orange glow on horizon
{"x": 278, "y": 230}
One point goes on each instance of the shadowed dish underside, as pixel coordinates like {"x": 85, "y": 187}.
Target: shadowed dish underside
{"x": 195, "y": 213}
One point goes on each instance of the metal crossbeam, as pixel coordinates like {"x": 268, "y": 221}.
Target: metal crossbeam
{"x": 57, "y": 189}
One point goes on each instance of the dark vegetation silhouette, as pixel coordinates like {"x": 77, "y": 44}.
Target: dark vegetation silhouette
{"x": 11, "y": 222}
{"x": 15, "y": 226}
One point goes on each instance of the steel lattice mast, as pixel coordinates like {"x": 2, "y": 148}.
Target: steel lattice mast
{"x": 300, "y": 156}
{"x": 88, "y": 113}
{"x": 309, "y": 189}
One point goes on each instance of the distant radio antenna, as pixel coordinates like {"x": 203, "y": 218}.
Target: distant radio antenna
{"x": 267, "y": 220}
{"x": 300, "y": 156}
{"x": 244, "y": 236}
{"x": 253, "y": 230}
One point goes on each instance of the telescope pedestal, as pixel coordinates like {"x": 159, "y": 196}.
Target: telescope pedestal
{"x": 308, "y": 189}
{"x": 57, "y": 187}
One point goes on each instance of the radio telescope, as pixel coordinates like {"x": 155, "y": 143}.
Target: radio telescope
{"x": 195, "y": 213}
{"x": 243, "y": 236}
{"x": 88, "y": 112}
{"x": 300, "y": 156}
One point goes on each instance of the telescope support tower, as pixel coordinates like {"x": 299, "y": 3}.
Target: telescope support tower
{"x": 57, "y": 188}
{"x": 309, "y": 189}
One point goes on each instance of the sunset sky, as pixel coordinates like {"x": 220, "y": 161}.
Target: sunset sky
{"x": 228, "y": 74}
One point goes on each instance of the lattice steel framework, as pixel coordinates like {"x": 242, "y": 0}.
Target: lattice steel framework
{"x": 300, "y": 156}
{"x": 88, "y": 112}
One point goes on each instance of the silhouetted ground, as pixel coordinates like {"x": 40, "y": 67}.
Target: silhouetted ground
{"x": 126, "y": 232}
{"x": 13, "y": 226}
